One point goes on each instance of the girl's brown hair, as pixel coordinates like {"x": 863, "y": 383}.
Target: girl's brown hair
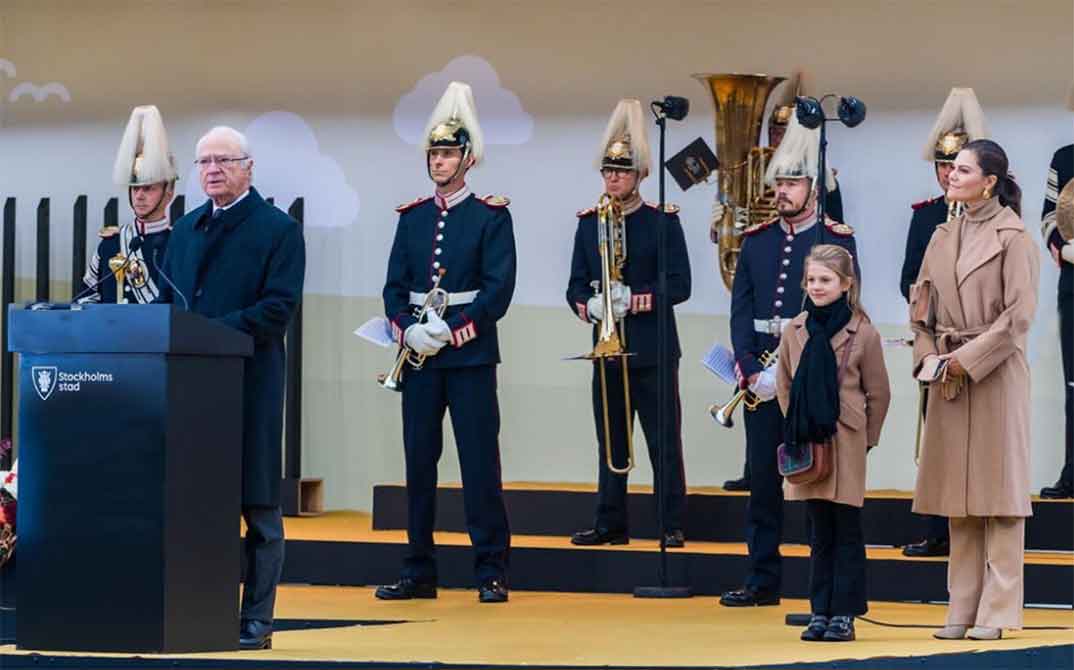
{"x": 838, "y": 260}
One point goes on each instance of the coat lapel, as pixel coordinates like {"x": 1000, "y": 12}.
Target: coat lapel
{"x": 942, "y": 269}
{"x": 991, "y": 249}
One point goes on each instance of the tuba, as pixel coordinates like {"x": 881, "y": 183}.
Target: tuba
{"x": 739, "y": 101}
{"x": 436, "y": 300}
{"x": 611, "y": 338}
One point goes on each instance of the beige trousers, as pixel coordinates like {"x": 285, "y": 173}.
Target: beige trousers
{"x": 985, "y": 571}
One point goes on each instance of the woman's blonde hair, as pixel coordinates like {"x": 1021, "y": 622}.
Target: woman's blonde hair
{"x": 838, "y": 260}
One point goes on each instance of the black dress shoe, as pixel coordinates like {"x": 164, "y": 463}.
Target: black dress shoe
{"x": 406, "y": 589}
{"x": 255, "y": 635}
{"x": 840, "y": 629}
{"x": 674, "y": 539}
{"x": 737, "y": 485}
{"x": 595, "y": 536}
{"x": 929, "y": 547}
{"x": 492, "y": 591}
{"x": 1059, "y": 491}
{"x": 747, "y": 597}
{"x": 814, "y": 632}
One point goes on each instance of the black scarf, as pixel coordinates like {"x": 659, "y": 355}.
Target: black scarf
{"x": 813, "y": 409}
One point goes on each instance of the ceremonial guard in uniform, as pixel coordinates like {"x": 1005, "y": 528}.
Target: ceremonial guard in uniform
{"x": 960, "y": 121}
{"x": 630, "y": 381}
{"x": 456, "y": 251}
{"x": 782, "y": 111}
{"x": 1057, "y": 230}
{"x": 132, "y": 252}
{"x": 766, "y": 295}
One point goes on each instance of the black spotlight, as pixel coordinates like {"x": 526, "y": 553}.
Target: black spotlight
{"x": 809, "y": 111}
{"x": 673, "y": 107}
{"x": 851, "y": 111}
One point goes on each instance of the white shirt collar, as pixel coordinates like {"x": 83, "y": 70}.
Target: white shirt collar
{"x": 233, "y": 202}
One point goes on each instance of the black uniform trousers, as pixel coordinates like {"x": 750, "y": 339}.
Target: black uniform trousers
{"x": 836, "y": 559}
{"x": 764, "y": 511}
{"x": 263, "y": 550}
{"x": 1066, "y": 332}
{"x": 470, "y": 395}
{"x": 612, "y": 488}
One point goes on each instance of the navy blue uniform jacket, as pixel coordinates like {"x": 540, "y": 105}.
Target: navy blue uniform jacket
{"x": 246, "y": 271}
{"x": 639, "y": 274}
{"x": 768, "y": 283}
{"x": 477, "y": 253}
{"x": 927, "y": 215}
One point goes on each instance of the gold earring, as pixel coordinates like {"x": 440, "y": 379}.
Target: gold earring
{"x": 987, "y": 193}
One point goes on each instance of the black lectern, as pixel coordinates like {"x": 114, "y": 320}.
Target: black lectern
{"x": 130, "y": 442}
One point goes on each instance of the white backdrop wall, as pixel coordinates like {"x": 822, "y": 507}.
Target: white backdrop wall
{"x": 331, "y": 94}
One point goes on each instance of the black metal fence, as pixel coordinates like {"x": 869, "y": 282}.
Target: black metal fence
{"x": 79, "y": 254}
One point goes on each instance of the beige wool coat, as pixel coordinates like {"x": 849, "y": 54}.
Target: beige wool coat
{"x": 975, "y": 448}
{"x": 864, "y": 396}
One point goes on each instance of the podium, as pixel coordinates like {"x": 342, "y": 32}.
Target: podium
{"x": 130, "y": 448}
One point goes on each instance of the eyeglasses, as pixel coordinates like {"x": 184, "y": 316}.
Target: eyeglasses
{"x": 610, "y": 172}
{"x": 224, "y": 162}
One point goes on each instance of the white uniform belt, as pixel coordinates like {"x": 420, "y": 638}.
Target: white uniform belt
{"x": 774, "y": 326}
{"x": 463, "y": 298}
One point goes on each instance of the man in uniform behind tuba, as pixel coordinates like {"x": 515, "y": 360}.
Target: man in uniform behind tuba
{"x": 782, "y": 111}
{"x": 473, "y": 258}
{"x": 766, "y": 295}
{"x": 960, "y": 121}
{"x": 631, "y": 382}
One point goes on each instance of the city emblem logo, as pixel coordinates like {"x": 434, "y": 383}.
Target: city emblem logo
{"x": 44, "y": 378}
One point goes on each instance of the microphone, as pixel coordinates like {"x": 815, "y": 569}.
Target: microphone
{"x": 132, "y": 247}
{"x": 186, "y": 305}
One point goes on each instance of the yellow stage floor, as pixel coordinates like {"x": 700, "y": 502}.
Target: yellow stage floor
{"x": 571, "y": 630}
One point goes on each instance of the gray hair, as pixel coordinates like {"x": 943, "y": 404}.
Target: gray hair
{"x": 228, "y": 133}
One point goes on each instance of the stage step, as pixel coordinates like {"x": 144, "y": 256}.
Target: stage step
{"x": 713, "y": 514}
{"x": 343, "y": 548}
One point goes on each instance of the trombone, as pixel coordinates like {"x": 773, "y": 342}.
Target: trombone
{"x": 611, "y": 336}
{"x": 722, "y": 413}
{"x": 436, "y": 300}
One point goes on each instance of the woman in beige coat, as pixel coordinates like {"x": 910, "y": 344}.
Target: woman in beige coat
{"x": 832, "y": 385}
{"x": 970, "y": 311}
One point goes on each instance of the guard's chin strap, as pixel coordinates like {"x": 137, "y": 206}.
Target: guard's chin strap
{"x": 137, "y": 219}
{"x": 459, "y": 170}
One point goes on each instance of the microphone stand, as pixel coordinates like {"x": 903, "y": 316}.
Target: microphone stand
{"x": 664, "y": 590}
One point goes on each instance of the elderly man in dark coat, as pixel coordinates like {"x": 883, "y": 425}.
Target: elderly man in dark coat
{"x": 241, "y": 261}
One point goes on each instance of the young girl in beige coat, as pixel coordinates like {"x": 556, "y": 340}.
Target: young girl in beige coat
{"x": 833, "y": 387}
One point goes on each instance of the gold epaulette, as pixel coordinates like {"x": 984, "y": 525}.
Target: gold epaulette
{"x": 758, "y": 227}
{"x": 496, "y": 200}
{"x": 586, "y": 212}
{"x": 668, "y": 207}
{"x": 412, "y": 204}
{"x": 839, "y": 229}
{"x": 108, "y": 231}
{"x": 925, "y": 203}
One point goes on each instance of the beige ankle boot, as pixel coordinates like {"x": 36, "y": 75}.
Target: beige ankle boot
{"x": 951, "y": 632}
{"x": 984, "y": 633}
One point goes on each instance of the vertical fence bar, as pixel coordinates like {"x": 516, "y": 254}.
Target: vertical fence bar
{"x": 41, "y": 295}
{"x": 177, "y": 209}
{"x": 78, "y": 245}
{"x": 293, "y": 411}
{"x": 7, "y": 359}
{"x": 111, "y": 213}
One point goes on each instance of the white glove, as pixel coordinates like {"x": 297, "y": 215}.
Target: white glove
{"x": 765, "y": 386}
{"x": 595, "y": 308}
{"x": 620, "y": 300}
{"x": 718, "y": 209}
{"x": 420, "y": 341}
{"x": 437, "y": 327}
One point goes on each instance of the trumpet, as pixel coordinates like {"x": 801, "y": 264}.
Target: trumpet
{"x": 611, "y": 337}
{"x": 722, "y": 413}
{"x": 436, "y": 300}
